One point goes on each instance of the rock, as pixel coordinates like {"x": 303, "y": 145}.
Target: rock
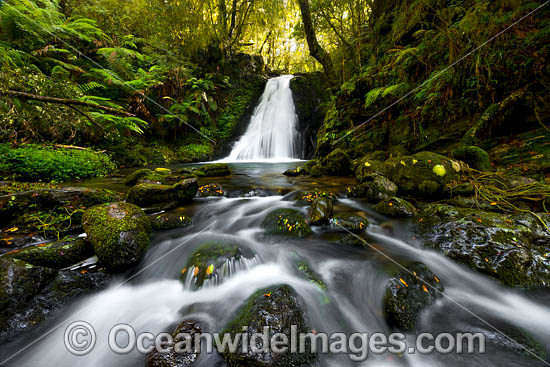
{"x": 294, "y": 172}
{"x": 210, "y": 190}
{"x": 511, "y": 248}
{"x": 475, "y": 157}
{"x": 277, "y": 307}
{"x": 314, "y": 168}
{"x": 320, "y": 210}
{"x": 286, "y": 222}
{"x": 461, "y": 189}
{"x": 351, "y": 240}
{"x": 214, "y": 260}
{"x": 119, "y": 233}
{"x": 145, "y": 195}
{"x": 304, "y": 270}
{"x": 352, "y": 223}
{"x": 178, "y": 358}
{"x": 380, "y": 189}
{"x": 396, "y": 207}
{"x": 423, "y": 174}
{"x": 407, "y": 294}
{"x": 163, "y": 171}
{"x": 337, "y": 163}
{"x": 213, "y": 170}
{"x": 173, "y": 220}
{"x": 58, "y": 254}
{"x": 368, "y": 167}
{"x": 143, "y": 176}
{"x": 310, "y": 196}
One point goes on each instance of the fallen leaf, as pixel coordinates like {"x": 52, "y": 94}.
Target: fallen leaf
{"x": 404, "y": 283}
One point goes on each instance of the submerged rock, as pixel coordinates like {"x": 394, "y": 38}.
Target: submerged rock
{"x": 58, "y": 254}
{"x": 119, "y": 234}
{"x": 173, "y": 220}
{"x": 213, "y": 170}
{"x": 210, "y": 190}
{"x": 352, "y": 223}
{"x": 145, "y": 195}
{"x": 320, "y": 210}
{"x": 515, "y": 249}
{"x": 279, "y": 308}
{"x": 396, "y": 207}
{"x": 408, "y": 293}
{"x": 186, "y": 354}
{"x": 286, "y": 222}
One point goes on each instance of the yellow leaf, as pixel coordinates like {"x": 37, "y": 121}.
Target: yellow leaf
{"x": 267, "y": 294}
{"x": 183, "y": 270}
{"x": 424, "y": 288}
{"x": 367, "y": 164}
{"x": 415, "y": 161}
{"x": 436, "y": 279}
{"x": 210, "y": 269}
{"x": 493, "y": 203}
{"x": 195, "y": 272}
{"x": 13, "y": 229}
{"x": 403, "y": 163}
{"x": 439, "y": 170}
{"x": 402, "y": 281}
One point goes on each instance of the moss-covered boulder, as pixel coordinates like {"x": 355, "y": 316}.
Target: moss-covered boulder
{"x": 178, "y": 358}
{"x": 314, "y": 168}
{"x": 58, "y": 254}
{"x": 213, "y": 170}
{"x": 320, "y": 210}
{"x": 216, "y": 261}
{"x": 294, "y": 172}
{"x": 143, "y": 176}
{"x": 279, "y": 308}
{"x": 163, "y": 171}
{"x": 474, "y": 156}
{"x": 169, "y": 220}
{"x": 145, "y": 195}
{"x": 368, "y": 167}
{"x": 396, "y": 207}
{"x": 511, "y": 248}
{"x": 423, "y": 174}
{"x": 288, "y": 222}
{"x": 352, "y": 240}
{"x": 310, "y": 196}
{"x": 380, "y": 189}
{"x": 349, "y": 222}
{"x": 408, "y": 293}
{"x": 119, "y": 233}
{"x": 337, "y": 163}
{"x": 210, "y": 190}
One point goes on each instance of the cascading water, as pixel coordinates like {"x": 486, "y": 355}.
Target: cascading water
{"x": 272, "y": 131}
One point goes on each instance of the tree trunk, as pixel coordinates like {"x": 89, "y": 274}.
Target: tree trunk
{"x": 315, "y": 48}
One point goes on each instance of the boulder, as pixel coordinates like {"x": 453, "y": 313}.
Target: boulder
{"x": 294, "y": 172}
{"x": 287, "y": 222}
{"x": 408, "y": 293}
{"x": 177, "y": 358}
{"x": 145, "y": 195}
{"x": 210, "y": 190}
{"x": 56, "y": 255}
{"x": 310, "y": 196}
{"x": 474, "y": 156}
{"x": 143, "y": 174}
{"x": 337, "y": 163}
{"x": 314, "y": 168}
{"x": 352, "y": 223}
{"x": 279, "y": 308}
{"x": 396, "y": 207}
{"x": 119, "y": 233}
{"x": 320, "y": 210}
{"x": 213, "y": 170}
{"x": 380, "y": 189}
{"x": 352, "y": 240}
{"x": 368, "y": 167}
{"x": 163, "y": 171}
{"x": 171, "y": 220}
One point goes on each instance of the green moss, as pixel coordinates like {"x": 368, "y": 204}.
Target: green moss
{"x": 213, "y": 170}
{"x": 170, "y": 221}
{"x": 57, "y": 255}
{"x": 143, "y": 174}
{"x": 149, "y": 194}
{"x": 288, "y": 222}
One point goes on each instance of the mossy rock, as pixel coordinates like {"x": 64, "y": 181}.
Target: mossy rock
{"x": 145, "y": 195}
{"x": 210, "y": 190}
{"x": 163, "y": 171}
{"x": 396, "y": 207}
{"x": 474, "y": 156}
{"x": 214, "y": 260}
{"x": 166, "y": 221}
{"x": 310, "y": 196}
{"x": 304, "y": 269}
{"x": 119, "y": 233}
{"x": 337, "y": 163}
{"x": 408, "y": 293}
{"x": 349, "y": 222}
{"x": 368, "y": 167}
{"x": 314, "y": 168}
{"x": 352, "y": 241}
{"x": 380, "y": 188}
{"x": 288, "y": 222}
{"x": 174, "y": 358}
{"x": 56, "y": 255}
{"x": 424, "y": 174}
{"x": 320, "y": 211}
{"x": 213, "y": 170}
{"x": 277, "y": 307}
{"x": 294, "y": 172}
{"x": 142, "y": 174}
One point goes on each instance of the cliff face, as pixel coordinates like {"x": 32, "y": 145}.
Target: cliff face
{"x": 310, "y": 94}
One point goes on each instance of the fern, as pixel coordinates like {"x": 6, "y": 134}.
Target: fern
{"x": 88, "y": 87}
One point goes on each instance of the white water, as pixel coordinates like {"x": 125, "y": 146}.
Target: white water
{"x": 271, "y": 134}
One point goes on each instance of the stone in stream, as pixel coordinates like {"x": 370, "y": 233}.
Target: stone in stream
{"x": 349, "y": 222}
{"x": 320, "y": 210}
{"x": 210, "y": 190}
{"x": 380, "y": 189}
{"x": 119, "y": 233}
{"x": 145, "y": 195}
{"x": 214, "y": 260}
{"x": 396, "y": 207}
{"x": 408, "y": 293}
{"x": 513, "y": 248}
{"x": 213, "y": 170}
{"x": 288, "y": 222}
{"x": 277, "y": 307}
{"x": 337, "y": 163}
{"x": 57, "y": 255}
{"x": 169, "y": 220}
{"x": 185, "y": 354}
{"x": 143, "y": 176}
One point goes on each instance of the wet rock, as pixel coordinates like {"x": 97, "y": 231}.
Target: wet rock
{"x": 459, "y": 189}
{"x": 183, "y": 357}
{"x": 352, "y": 223}
{"x": 287, "y": 222}
{"x": 408, "y": 293}
{"x": 294, "y": 172}
{"x": 214, "y": 261}
{"x": 320, "y": 210}
{"x": 310, "y": 196}
{"x": 277, "y": 307}
{"x": 56, "y": 255}
{"x": 512, "y": 248}
{"x": 337, "y": 163}
{"x": 352, "y": 240}
{"x": 119, "y": 233}
{"x": 165, "y": 221}
{"x": 369, "y": 167}
{"x": 423, "y": 174}
{"x": 144, "y": 175}
{"x": 210, "y": 190}
{"x": 314, "y": 168}
{"x": 474, "y": 156}
{"x": 145, "y": 195}
{"x": 396, "y": 207}
{"x": 213, "y": 170}
{"x": 163, "y": 171}
{"x": 380, "y": 189}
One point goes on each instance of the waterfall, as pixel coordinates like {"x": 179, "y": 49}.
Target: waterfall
{"x": 271, "y": 133}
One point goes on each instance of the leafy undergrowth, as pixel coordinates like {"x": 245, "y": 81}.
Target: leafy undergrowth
{"x": 47, "y": 163}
